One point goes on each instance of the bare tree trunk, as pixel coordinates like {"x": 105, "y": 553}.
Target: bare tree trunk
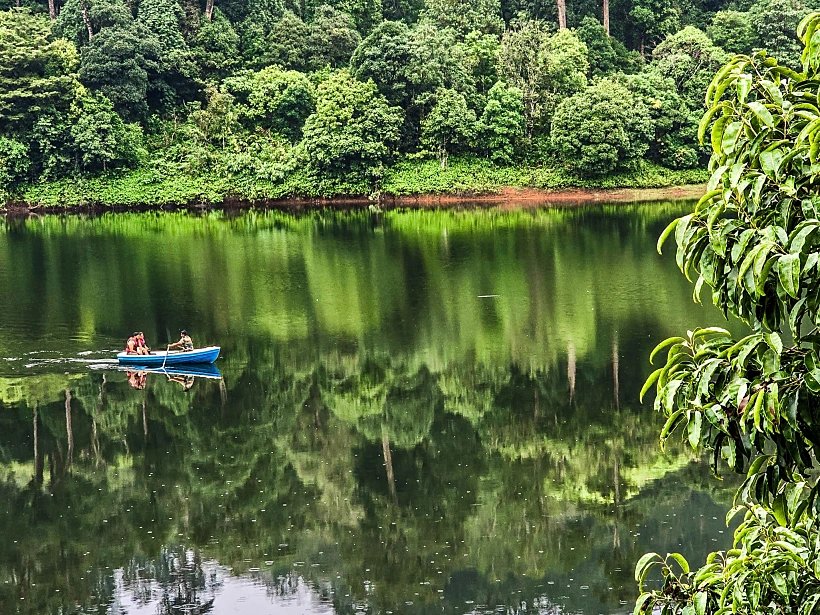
{"x": 144, "y": 418}
{"x": 52, "y": 9}
{"x": 388, "y": 464}
{"x": 86, "y": 20}
{"x": 606, "y": 16}
{"x": 209, "y": 9}
{"x": 562, "y": 14}
{"x": 571, "y": 370}
{"x": 69, "y": 430}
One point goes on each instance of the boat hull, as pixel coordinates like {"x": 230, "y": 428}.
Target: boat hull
{"x": 208, "y": 354}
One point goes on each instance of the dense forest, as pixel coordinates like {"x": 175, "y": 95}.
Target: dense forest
{"x": 271, "y": 98}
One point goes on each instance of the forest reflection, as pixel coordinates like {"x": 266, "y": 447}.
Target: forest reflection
{"x": 378, "y": 437}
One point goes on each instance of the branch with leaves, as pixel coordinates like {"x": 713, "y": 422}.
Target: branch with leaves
{"x": 754, "y": 240}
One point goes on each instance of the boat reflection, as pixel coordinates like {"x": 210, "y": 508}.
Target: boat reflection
{"x": 184, "y": 375}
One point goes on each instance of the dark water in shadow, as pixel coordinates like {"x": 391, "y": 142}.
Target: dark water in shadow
{"x": 415, "y": 412}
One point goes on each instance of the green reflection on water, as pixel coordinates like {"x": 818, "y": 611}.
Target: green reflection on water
{"x": 426, "y": 407}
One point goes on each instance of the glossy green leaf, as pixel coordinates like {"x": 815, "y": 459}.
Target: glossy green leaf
{"x": 665, "y": 344}
{"x": 788, "y": 271}
{"x": 763, "y": 114}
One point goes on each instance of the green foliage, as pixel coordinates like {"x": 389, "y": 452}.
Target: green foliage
{"x": 383, "y": 57}
{"x": 217, "y": 50}
{"x": 481, "y": 57}
{"x": 675, "y": 142}
{"x": 690, "y": 58}
{"x": 163, "y": 18}
{"x": 101, "y": 139}
{"x": 280, "y": 101}
{"x": 241, "y": 82}
{"x": 14, "y": 163}
{"x": 36, "y": 73}
{"x": 286, "y": 44}
{"x": 774, "y": 23}
{"x": 483, "y": 16}
{"x": 364, "y": 13}
{"x": 545, "y": 67}
{"x": 353, "y": 131}
{"x": 732, "y": 31}
{"x": 605, "y": 54}
{"x": 501, "y": 127}
{"x": 121, "y": 61}
{"x": 333, "y": 39}
{"x": 654, "y": 20}
{"x": 753, "y": 402}
{"x": 449, "y": 126}
{"x": 218, "y": 122}
{"x": 601, "y": 129}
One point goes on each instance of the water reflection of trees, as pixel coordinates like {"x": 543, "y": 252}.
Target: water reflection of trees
{"x": 404, "y": 478}
{"x": 377, "y": 421}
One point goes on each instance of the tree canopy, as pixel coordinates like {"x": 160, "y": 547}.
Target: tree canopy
{"x": 161, "y": 64}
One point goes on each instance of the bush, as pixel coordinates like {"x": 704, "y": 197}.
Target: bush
{"x": 449, "y": 126}
{"x": 602, "y": 129}
{"x": 353, "y": 131}
{"x": 281, "y": 101}
{"x": 101, "y": 139}
{"x": 501, "y": 127}
{"x": 14, "y": 163}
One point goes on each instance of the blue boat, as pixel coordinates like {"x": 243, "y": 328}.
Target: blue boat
{"x": 208, "y": 354}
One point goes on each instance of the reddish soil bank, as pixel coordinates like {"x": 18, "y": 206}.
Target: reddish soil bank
{"x": 529, "y": 197}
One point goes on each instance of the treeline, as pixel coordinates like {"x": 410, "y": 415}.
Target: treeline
{"x": 265, "y": 91}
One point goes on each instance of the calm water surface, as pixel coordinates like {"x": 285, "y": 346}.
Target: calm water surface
{"x": 415, "y": 412}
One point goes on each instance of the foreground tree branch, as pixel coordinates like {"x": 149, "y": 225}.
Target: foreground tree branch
{"x": 754, "y": 240}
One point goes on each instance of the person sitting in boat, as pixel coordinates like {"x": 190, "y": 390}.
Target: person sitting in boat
{"x": 185, "y": 343}
{"x": 142, "y": 346}
{"x": 131, "y": 344}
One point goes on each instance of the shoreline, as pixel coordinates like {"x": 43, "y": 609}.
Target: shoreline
{"x": 510, "y": 197}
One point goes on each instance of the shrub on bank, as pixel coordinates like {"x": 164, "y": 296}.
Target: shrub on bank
{"x": 155, "y": 187}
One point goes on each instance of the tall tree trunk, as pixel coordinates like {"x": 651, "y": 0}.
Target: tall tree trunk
{"x": 562, "y": 14}
{"x": 606, "y": 16}
{"x": 69, "y": 430}
{"x": 52, "y": 9}
{"x": 144, "y": 418}
{"x": 86, "y": 20}
{"x": 209, "y": 9}
{"x": 571, "y": 367}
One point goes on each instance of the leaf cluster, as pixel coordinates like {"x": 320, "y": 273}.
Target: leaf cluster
{"x": 754, "y": 402}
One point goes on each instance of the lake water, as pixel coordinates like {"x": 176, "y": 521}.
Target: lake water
{"x": 414, "y": 412}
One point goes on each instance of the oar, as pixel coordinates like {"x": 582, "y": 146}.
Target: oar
{"x": 167, "y": 350}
